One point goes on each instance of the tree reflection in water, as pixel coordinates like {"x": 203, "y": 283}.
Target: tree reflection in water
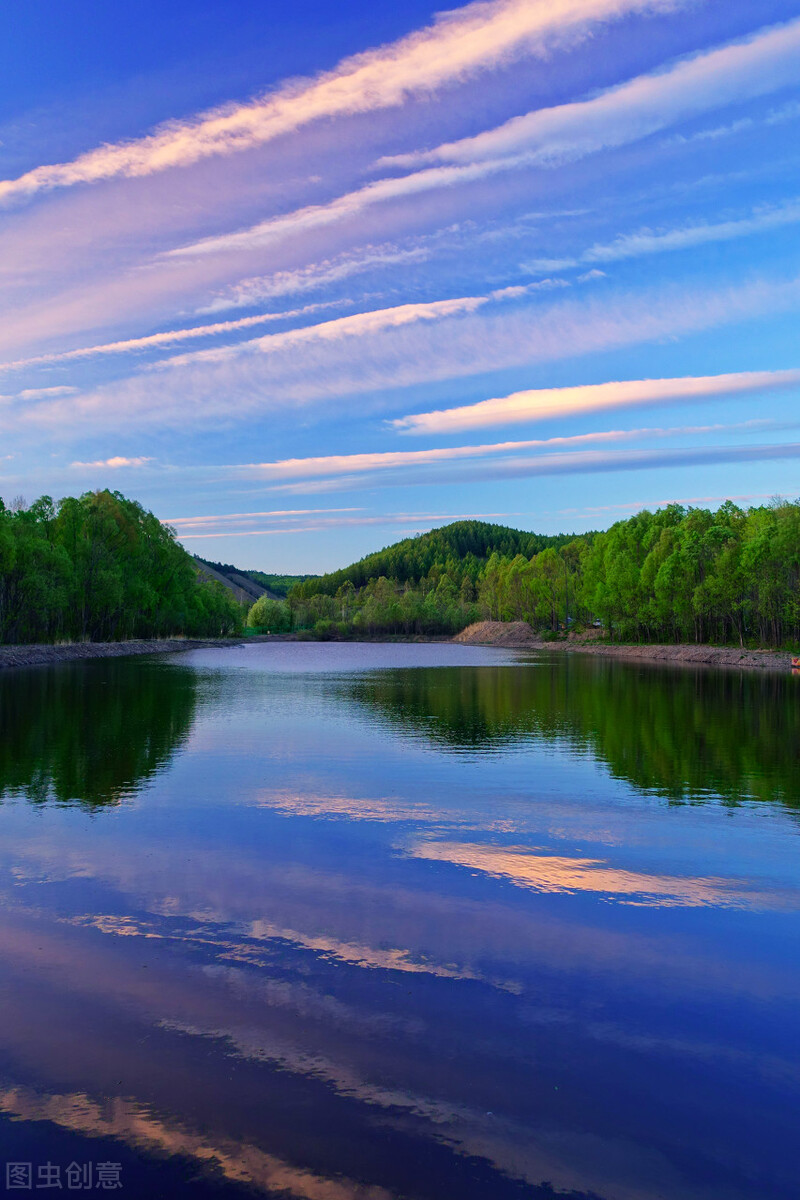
{"x": 91, "y": 733}
{"x": 681, "y": 733}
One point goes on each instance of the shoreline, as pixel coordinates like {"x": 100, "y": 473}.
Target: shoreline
{"x": 517, "y": 635}
{"x": 514, "y": 635}
{"x": 684, "y": 654}
{"x": 43, "y": 654}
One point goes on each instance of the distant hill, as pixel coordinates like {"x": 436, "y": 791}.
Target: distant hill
{"x": 248, "y": 586}
{"x": 245, "y": 590}
{"x": 277, "y": 585}
{"x": 459, "y": 549}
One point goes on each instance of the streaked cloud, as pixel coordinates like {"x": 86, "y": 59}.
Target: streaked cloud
{"x": 314, "y": 275}
{"x": 225, "y": 518}
{"x": 216, "y": 527}
{"x": 154, "y": 341}
{"x": 543, "y": 403}
{"x": 649, "y": 241}
{"x": 776, "y": 116}
{"x": 455, "y": 48}
{"x": 756, "y": 66}
{"x": 393, "y": 348}
{"x": 351, "y": 464}
{"x": 473, "y": 473}
{"x": 42, "y": 393}
{"x": 358, "y": 325}
{"x": 549, "y": 137}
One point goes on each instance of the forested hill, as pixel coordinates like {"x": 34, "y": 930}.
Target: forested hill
{"x": 459, "y": 550}
{"x": 676, "y": 574}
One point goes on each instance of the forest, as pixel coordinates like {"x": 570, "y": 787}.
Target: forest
{"x": 99, "y": 567}
{"x": 677, "y": 574}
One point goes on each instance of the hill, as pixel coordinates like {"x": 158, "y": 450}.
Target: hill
{"x": 243, "y": 589}
{"x": 671, "y": 575}
{"x": 247, "y": 586}
{"x": 433, "y": 584}
{"x": 459, "y": 550}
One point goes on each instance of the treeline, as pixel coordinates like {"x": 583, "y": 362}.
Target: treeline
{"x": 677, "y": 574}
{"x": 699, "y": 576}
{"x": 99, "y": 567}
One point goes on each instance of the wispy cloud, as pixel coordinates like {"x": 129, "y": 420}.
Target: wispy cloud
{"x": 548, "y": 137}
{"x": 42, "y": 393}
{"x": 317, "y": 216}
{"x": 414, "y": 520}
{"x": 358, "y": 325}
{"x": 456, "y": 47}
{"x": 570, "y": 462}
{"x": 356, "y": 464}
{"x": 776, "y": 116}
{"x": 649, "y": 241}
{"x": 155, "y": 341}
{"x": 117, "y": 461}
{"x": 755, "y": 66}
{"x": 314, "y": 275}
{"x": 542, "y": 403}
{"x": 181, "y": 523}
{"x": 366, "y": 353}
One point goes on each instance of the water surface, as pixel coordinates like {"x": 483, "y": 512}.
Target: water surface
{"x": 360, "y": 922}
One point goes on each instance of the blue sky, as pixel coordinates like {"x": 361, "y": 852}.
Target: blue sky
{"x": 305, "y": 278}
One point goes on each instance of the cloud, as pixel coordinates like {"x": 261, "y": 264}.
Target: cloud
{"x": 459, "y": 45}
{"x": 314, "y": 275}
{"x": 42, "y": 393}
{"x": 598, "y": 462}
{"x": 776, "y": 116}
{"x": 764, "y": 63}
{"x": 543, "y": 403}
{"x": 355, "y": 464}
{"x": 333, "y": 522}
{"x": 316, "y": 216}
{"x": 153, "y": 341}
{"x": 224, "y": 518}
{"x": 357, "y": 325}
{"x": 394, "y": 349}
{"x": 115, "y": 462}
{"x": 583, "y": 462}
{"x": 648, "y": 241}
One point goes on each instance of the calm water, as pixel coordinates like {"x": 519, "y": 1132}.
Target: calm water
{"x": 369, "y": 922}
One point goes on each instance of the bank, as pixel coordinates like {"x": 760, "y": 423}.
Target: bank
{"x": 519, "y": 635}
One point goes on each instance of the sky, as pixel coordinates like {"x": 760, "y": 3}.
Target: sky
{"x": 306, "y": 278}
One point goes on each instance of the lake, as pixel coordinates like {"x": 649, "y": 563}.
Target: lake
{"x": 361, "y": 922}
